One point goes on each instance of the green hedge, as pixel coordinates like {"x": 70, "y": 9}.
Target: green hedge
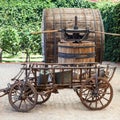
{"x": 19, "y": 17}
{"x": 73, "y": 3}
{"x": 111, "y": 18}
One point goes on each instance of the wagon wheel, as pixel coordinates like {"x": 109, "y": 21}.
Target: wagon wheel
{"x": 90, "y": 86}
{"x": 43, "y": 96}
{"x": 96, "y": 98}
{"x": 22, "y": 96}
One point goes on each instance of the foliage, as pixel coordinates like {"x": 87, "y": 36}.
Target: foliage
{"x": 73, "y": 3}
{"x": 21, "y": 17}
{"x": 30, "y": 43}
{"x": 18, "y": 18}
{"x": 9, "y": 40}
{"x": 111, "y": 18}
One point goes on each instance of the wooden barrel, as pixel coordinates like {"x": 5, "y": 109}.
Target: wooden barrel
{"x": 69, "y": 52}
{"x": 60, "y": 18}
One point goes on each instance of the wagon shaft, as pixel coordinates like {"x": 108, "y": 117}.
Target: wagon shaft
{"x": 4, "y": 91}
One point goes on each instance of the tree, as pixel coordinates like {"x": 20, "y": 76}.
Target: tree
{"x": 9, "y": 40}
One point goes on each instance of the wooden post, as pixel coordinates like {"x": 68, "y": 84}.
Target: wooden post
{"x": 0, "y": 55}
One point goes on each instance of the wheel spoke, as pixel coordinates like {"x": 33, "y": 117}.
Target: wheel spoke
{"x": 15, "y": 101}
{"x": 84, "y": 91}
{"x": 89, "y": 98}
{"x": 42, "y": 97}
{"x": 101, "y": 102}
{"x": 28, "y": 92}
{"x": 30, "y": 100}
{"x": 105, "y": 98}
{"x": 107, "y": 93}
{"x": 91, "y": 102}
{"x": 25, "y": 104}
{"x": 95, "y": 104}
{"x": 87, "y": 94}
{"x": 20, "y": 104}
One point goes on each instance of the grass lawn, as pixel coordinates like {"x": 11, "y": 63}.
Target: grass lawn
{"x": 21, "y": 57}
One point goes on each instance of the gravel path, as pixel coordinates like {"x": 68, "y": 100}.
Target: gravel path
{"x": 63, "y": 106}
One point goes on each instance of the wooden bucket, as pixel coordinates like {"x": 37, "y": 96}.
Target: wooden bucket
{"x": 69, "y": 52}
{"x": 60, "y": 18}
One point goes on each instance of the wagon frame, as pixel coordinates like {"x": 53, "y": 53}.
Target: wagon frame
{"x": 36, "y": 81}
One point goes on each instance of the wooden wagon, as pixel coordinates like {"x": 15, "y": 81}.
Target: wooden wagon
{"x": 71, "y": 59}
{"x": 36, "y": 81}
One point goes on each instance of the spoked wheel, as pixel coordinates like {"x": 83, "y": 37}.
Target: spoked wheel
{"x": 22, "y": 96}
{"x": 96, "y": 98}
{"x": 88, "y": 86}
{"x": 43, "y": 96}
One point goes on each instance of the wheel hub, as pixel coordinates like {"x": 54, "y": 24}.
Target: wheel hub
{"x": 95, "y": 93}
{"x": 23, "y": 97}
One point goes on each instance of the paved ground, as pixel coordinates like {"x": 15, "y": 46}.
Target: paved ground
{"x": 63, "y": 106}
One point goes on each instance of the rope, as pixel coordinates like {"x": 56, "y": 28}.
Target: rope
{"x": 51, "y": 31}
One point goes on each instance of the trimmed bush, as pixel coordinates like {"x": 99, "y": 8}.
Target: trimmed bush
{"x": 19, "y": 17}
{"x": 111, "y": 18}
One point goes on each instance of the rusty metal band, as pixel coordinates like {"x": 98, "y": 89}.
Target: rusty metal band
{"x": 77, "y": 56}
{"x": 75, "y": 46}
